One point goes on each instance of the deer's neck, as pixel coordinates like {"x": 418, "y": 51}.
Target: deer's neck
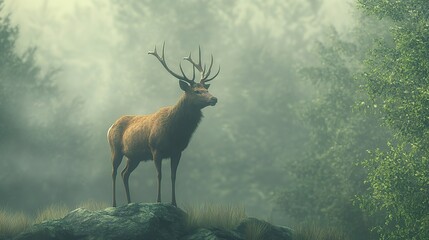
{"x": 184, "y": 117}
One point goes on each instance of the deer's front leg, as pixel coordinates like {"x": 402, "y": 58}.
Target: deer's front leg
{"x": 158, "y": 164}
{"x": 175, "y": 158}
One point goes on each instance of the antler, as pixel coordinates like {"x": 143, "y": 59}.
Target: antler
{"x": 199, "y": 67}
{"x": 180, "y": 77}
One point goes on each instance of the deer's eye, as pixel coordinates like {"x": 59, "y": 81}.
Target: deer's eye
{"x": 197, "y": 92}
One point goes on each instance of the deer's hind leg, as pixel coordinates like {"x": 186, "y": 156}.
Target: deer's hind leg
{"x": 116, "y": 161}
{"x": 131, "y": 165}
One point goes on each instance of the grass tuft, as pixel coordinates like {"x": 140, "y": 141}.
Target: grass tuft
{"x": 214, "y": 215}
{"x": 13, "y": 223}
{"x": 314, "y": 232}
{"x": 55, "y": 211}
{"x": 256, "y": 230}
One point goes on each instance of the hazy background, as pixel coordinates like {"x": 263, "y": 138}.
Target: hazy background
{"x": 55, "y": 149}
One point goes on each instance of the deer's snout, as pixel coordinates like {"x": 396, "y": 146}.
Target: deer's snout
{"x": 213, "y": 101}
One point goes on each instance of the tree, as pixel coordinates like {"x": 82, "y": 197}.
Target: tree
{"x": 396, "y": 76}
{"x": 327, "y": 176}
{"x": 19, "y": 74}
{"x": 37, "y": 130}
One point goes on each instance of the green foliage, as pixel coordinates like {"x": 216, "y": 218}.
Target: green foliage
{"x": 398, "y": 10}
{"x": 399, "y": 183}
{"x": 327, "y": 176}
{"x": 397, "y": 79}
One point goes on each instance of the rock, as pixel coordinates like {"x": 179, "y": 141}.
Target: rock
{"x": 133, "y": 221}
{"x": 212, "y": 234}
{"x": 145, "y": 221}
{"x": 252, "y": 228}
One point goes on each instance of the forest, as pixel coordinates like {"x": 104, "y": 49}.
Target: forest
{"x": 323, "y": 112}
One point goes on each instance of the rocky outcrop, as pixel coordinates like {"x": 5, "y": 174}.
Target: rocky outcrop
{"x": 133, "y": 221}
{"x": 144, "y": 221}
{"x": 212, "y": 234}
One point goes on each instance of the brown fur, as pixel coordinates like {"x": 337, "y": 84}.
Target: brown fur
{"x": 163, "y": 134}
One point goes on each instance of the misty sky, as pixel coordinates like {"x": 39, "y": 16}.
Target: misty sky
{"x": 101, "y": 51}
{"x": 78, "y": 35}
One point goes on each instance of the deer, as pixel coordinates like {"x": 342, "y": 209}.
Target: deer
{"x": 165, "y": 133}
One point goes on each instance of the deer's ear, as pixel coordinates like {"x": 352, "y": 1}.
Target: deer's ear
{"x": 206, "y": 86}
{"x": 184, "y": 86}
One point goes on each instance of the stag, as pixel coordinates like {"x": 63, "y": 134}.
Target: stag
{"x": 165, "y": 133}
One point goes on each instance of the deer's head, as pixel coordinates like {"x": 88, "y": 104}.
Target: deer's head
{"x": 196, "y": 93}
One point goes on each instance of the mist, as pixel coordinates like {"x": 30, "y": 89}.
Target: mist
{"x": 95, "y": 54}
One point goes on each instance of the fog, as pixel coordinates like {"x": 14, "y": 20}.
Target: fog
{"x": 57, "y": 151}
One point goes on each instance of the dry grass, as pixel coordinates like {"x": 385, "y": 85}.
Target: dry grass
{"x": 55, "y": 211}
{"x": 214, "y": 215}
{"x": 13, "y": 223}
{"x": 256, "y": 231}
{"x": 314, "y": 232}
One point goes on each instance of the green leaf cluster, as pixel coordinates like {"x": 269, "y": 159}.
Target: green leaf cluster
{"x": 396, "y": 76}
